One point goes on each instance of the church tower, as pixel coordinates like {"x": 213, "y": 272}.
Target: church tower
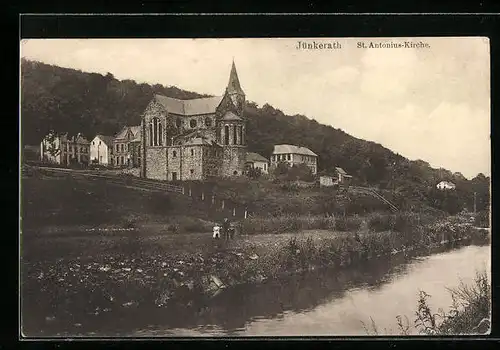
{"x": 235, "y": 91}
{"x": 231, "y": 126}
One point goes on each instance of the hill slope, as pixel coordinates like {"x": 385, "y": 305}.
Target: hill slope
{"x": 70, "y": 100}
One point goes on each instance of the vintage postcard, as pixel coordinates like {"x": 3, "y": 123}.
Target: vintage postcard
{"x": 255, "y": 187}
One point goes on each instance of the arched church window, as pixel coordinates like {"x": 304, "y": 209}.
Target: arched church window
{"x": 192, "y": 123}
{"x": 240, "y": 132}
{"x": 235, "y": 135}
{"x": 155, "y": 132}
{"x": 160, "y": 134}
{"x": 150, "y": 134}
{"x": 178, "y": 122}
{"x": 226, "y": 135}
{"x": 208, "y": 121}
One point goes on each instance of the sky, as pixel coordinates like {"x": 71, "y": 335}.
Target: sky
{"x": 430, "y": 103}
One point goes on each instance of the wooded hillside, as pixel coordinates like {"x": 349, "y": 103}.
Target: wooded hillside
{"x": 68, "y": 100}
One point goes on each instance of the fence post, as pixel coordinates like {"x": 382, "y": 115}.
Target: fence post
{"x": 234, "y": 211}
{"x": 190, "y": 191}
{"x": 183, "y": 188}
{"x": 223, "y": 204}
{"x": 213, "y": 199}
{"x": 246, "y": 213}
{"x": 202, "y": 195}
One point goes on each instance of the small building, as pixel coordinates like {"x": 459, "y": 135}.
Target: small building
{"x": 101, "y": 150}
{"x": 446, "y": 185}
{"x": 127, "y": 147}
{"x": 255, "y": 160}
{"x": 294, "y": 155}
{"x": 64, "y": 149}
{"x": 326, "y": 181}
{"x": 342, "y": 177}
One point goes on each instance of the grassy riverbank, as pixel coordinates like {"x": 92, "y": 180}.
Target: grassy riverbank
{"x": 470, "y": 312}
{"x": 97, "y": 275}
{"x": 138, "y": 250}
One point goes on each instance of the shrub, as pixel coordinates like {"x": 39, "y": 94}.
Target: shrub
{"x": 380, "y": 222}
{"x": 352, "y": 223}
{"x": 482, "y": 219}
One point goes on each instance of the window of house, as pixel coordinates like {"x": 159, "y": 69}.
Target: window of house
{"x": 289, "y": 156}
{"x": 192, "y": 123}
{"x": 117, "y": 147}
{"x": 121, "y": 146}
{"x": 191, "y": 171}
{"x": 192, "y": 152}
{"x": 174, "y": 154}
{"x": 122, "y": 160}
{"x": 178, "y": 122}
{"x": 99, "y": 143}
{"x": 93, "y": 142}
{"x": 226, "y": 135}
{"x": 208, "y": 121}
{"x": 139, "y": 149}
{"x": 128, "y": 146}
{"x": 265, "y": 166}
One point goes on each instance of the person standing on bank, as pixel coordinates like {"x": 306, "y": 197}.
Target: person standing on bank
{"x": 226, "y": 225}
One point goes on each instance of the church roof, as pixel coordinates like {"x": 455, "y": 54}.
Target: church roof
{"x": 285, "y": 149}
{"x": 230, "y": 116}
{"x": 234, "y": 82}
{"x": 205, "y": 105}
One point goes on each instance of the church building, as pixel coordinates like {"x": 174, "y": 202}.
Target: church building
{"x": 195, "y": 139}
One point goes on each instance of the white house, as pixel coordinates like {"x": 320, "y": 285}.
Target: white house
{"x": 295, "y": 155}
{"x": 341, "y": 176}
{"x": 255, "y": 160}
{"x": 101, "y": 149}
{"x": 446, "y": 185}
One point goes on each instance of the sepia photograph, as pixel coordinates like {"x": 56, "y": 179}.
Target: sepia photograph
{"x": 244, "y": 187}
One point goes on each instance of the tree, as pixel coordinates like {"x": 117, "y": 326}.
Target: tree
{"x": 254, "y": 173}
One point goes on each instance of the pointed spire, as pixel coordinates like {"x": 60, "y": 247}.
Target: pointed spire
{"x": 234, "y": 83}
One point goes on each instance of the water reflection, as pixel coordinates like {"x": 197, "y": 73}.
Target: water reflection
{"x": 231, "y": 311}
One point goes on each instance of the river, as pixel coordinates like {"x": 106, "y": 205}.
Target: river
{"x": 330, "y": 303}
{"x": 317, "y": 303}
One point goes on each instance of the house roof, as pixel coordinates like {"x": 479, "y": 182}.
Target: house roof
{"x": 205, "y": 105}
{"x": 255, "y": 157}
{"x": 284, "y": 149}
{"x": 108, "y": 140}
{"x": 230, "y": 116}
{"x": 446, "y": 183}
{"x": 340, "y": 170}
{"x": 135, "y": 130}
{"x": 122, "y": 133}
